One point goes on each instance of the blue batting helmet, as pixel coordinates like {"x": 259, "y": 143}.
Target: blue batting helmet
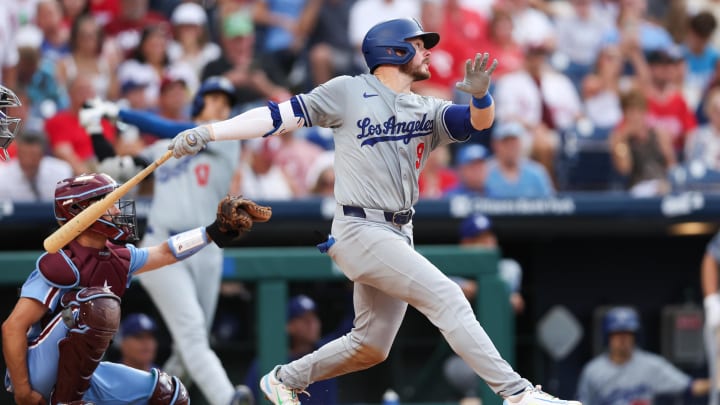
{"x": 384, "y": 39}
{"x": 213, "y": 84}
{"x": 621, "y": 319}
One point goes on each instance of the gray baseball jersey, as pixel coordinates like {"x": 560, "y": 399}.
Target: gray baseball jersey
{"x": 636, "y": 382}
{"x": 188, "y": 190}
{"x": 382, "y": 139}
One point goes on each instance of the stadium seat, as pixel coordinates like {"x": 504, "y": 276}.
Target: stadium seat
{"x": 584, "y": 161}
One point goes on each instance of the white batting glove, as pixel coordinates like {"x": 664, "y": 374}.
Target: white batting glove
{"x": 106, "y": 109}
{"x": 712, "y": 311}
{"x": 190, "y": 141}
{"x": 90, "y": 116}
{"x": 477, "y": 79}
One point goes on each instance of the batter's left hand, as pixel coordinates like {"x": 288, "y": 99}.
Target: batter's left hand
{"x": 477, "y": 79}
{"x": 190, "y": 141}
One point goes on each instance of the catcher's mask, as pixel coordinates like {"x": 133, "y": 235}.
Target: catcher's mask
{"x": 9, "y": 126}
{"x": 75, "y": 194}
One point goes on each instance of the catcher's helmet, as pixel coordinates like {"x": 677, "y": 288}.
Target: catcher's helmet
{"x": 213, "y": 84}
{"x": 621, "y": 319}
{"x": 9, "y": 126}
{"x": 384, "y": 39}
{"x": 74, "y": 194}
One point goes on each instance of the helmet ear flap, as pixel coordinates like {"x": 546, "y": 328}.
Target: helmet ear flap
{"x": 393, "y": 35}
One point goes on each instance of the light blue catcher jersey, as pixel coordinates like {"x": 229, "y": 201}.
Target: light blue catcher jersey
{"x": 382, "y": 138}
{"x": 37, "y": 288}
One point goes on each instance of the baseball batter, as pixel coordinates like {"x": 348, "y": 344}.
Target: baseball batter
{"x": 186, "y": 293}
{"x": 383, "y": 135}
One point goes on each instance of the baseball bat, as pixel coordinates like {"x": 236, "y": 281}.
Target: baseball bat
{"x": 74, "y": 227}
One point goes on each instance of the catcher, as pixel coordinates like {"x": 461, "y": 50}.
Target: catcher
{"x": 69, "y": 306}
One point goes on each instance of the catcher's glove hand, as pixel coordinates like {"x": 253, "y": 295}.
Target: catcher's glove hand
{"x": 236, "y": 215}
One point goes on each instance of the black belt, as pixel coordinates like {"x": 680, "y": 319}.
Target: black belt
{"x": 398, "y": 217}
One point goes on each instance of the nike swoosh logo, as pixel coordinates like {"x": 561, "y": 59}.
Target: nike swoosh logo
{"x": 366, "y": 95}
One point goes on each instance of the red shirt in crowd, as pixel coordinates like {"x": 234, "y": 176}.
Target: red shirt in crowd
{"x": 445, "y": 180}
{"x": 449, "y": 56}
{"x": 673, "y": 115}
{"x": 64, "y": 127}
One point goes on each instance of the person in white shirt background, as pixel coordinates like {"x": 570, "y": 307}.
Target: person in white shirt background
{"x": 31, "y": 175}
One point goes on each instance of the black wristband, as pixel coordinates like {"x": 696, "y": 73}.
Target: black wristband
{"x": 221, "y": 239}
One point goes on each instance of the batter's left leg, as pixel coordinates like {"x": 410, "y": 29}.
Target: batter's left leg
{"x": 378, "y": 317}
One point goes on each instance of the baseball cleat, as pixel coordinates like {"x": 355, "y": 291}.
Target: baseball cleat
{"x": 243, "y": 396}
{"x": 536, "y": 396}
{"x": 276, "y": 392}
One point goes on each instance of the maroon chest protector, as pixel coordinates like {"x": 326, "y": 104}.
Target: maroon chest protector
{"x": 79, "y": 266}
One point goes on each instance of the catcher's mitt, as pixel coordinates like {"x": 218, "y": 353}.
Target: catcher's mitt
{"x": 236, "y": 215}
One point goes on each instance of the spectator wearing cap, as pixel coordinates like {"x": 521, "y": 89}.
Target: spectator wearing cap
{"x": 510, "y": 174}
{"x": 667, "y": 106}
{"x": 133, "y": 86}
{"x": 471, "y": 164}
{"x": 138, "y": 344}
{"x": 174, "y": 98}
{"x": 191, "y": 42}
{"x": 476, "y": 232}
{"x": 31, "y": 175}
{"x": 626, "y": 375}
{"x": 239, "y": 65}
{"x": 151, "y": 57}
{"x": 304, "y": 328}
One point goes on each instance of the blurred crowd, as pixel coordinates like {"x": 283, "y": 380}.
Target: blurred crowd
{"x": 590, "y": 94}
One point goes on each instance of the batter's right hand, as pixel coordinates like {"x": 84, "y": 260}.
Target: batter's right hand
{"x": 712, "y": 311}
{"x": 190, "y": 141}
